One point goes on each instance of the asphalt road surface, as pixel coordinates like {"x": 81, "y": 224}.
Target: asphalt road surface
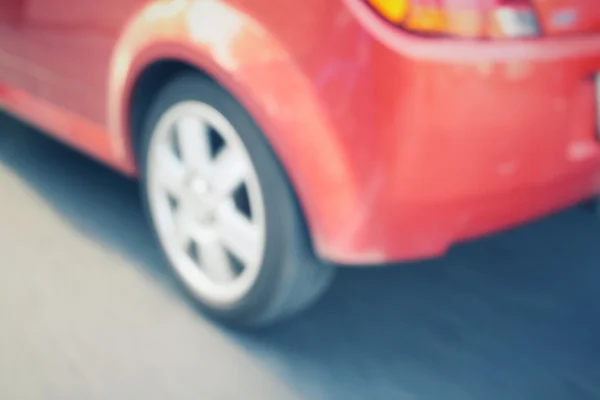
{"x": 89, "y": 311}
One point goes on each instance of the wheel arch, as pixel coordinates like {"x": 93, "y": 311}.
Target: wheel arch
{"x": 248, "y": 62}
{"x": 149, "y": 82}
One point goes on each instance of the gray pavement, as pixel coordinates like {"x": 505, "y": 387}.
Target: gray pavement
{"x": 89, "y": 311}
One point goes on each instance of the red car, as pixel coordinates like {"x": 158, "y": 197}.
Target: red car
{"x": 276, "y": 139}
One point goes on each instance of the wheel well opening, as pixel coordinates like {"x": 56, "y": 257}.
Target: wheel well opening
{"x": 148, "y": 85}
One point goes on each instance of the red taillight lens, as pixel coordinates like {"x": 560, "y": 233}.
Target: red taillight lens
{"x": 462, "y": 18}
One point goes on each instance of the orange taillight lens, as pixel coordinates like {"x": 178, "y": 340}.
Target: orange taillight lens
{"x": 461, "y": 18}
{"x": 392, "y": 10}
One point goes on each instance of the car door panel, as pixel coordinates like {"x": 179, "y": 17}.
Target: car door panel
{"x": 72, "y": 42}
{"x": 15, "y": 72}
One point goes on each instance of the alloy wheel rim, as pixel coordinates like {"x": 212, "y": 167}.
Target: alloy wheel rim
{"x": 206, "y": 202}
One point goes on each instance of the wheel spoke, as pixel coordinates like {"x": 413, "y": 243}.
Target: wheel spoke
{"x": 171, "y": 173}
{"x": 215, "y": 261}
{"x": 229, "y": 171}
{"x": 192, "y": 135}
{"x": 237, "y": 233}
{"x": 183, "y": 227}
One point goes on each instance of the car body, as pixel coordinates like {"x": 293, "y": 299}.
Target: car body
{"x": 397, "y": 145}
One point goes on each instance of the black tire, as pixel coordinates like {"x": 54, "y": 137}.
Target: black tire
{"x": 290, "y": 278}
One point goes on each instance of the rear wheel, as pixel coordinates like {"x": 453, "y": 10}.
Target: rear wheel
{"x": 222, "y": 208}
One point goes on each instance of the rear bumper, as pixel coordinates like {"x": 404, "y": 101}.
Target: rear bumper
{"x": 470, "y": 138}
{"x": 425, "y": 230}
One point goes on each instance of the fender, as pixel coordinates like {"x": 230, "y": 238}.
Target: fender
{"x": 246, "y": 59}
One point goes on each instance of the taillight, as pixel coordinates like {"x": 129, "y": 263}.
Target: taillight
{"x": 462, "y": 18}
